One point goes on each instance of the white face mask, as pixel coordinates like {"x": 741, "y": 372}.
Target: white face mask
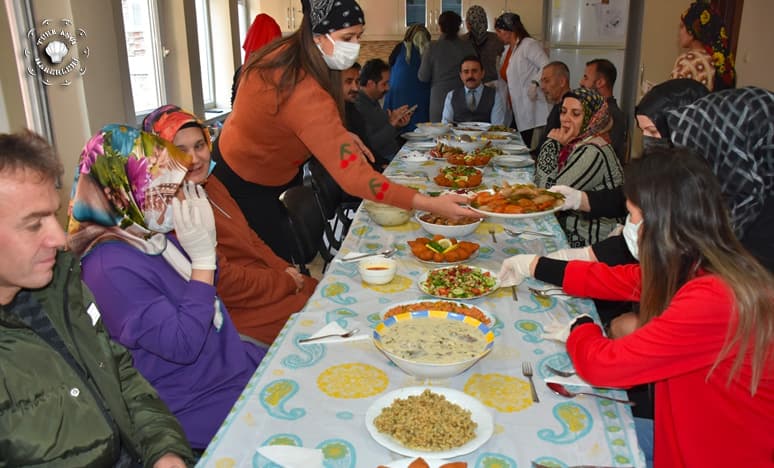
{"x": 167, "y": 224}
{"x": 344, "y": 54}
{"x": 631, "y": 236}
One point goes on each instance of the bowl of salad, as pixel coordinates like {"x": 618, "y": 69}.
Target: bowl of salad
{"x": 459, "y": 282}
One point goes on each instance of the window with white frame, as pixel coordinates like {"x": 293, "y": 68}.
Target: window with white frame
{"x": 204, "y": 33}
{"x": 143, "y": 48}
{"x": 243, "y": 24}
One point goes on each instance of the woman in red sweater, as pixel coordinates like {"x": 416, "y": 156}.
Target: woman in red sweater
{"x": 707, "y": 313}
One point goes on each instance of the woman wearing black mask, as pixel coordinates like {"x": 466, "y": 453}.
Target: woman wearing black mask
{"x": 289, "y": 105}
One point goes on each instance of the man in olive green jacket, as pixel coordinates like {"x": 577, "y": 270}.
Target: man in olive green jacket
{"x": 69, "y": 396}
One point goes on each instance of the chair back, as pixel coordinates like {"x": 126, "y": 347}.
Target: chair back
{"x": 330, "y": 194}
{"x": 306, "y": 222}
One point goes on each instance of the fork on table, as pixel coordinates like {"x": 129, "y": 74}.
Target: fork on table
{"x": 526, "y": 369}
{"x": 547, "y": 292}
{"x": 513, "y": 233}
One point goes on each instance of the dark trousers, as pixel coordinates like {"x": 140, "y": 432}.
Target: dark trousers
{"x": 261, "y": 206}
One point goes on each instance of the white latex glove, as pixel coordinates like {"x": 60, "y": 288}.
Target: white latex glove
{"x": 581, "y": 253}
{"x": 572, "y": 197}
{"x": 558, "y": 331}
{"x": 193, "y": 235}
{"x": 532, "y": 91}
{"x": 515, "y": 269}
{"x": 617, "y": 231}
{"x": 197, "y": 197}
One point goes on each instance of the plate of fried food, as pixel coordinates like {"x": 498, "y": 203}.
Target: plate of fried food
{"x": 477, "y": 313}
{"x": 442, "y": 151}
{"x": 419, "y": 462}
{"x": 401, "y": 421}
{"x": 459, "y": 177}
{"x": 440, "y": 250}
{"x": 477, "y": 158}
{"x": 516, "y": 201}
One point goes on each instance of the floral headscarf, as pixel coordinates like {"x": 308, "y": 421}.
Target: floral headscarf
{"x": 705, "y": 24}
{"x": 476, "y": 20}
{"x": 123, "y": 174}
{"x": 167, "y": 120}
{"x": 263, "y": 30}
{"x": 596, "y": 120}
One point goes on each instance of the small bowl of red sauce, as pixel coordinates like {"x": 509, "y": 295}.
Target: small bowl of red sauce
{"x": 377, "y": 270}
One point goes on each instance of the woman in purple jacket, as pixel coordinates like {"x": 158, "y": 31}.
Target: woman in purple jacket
{"x": 148, "y": 255}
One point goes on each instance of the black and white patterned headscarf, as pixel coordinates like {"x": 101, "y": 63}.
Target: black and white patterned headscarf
{"x": 331, "y": 15}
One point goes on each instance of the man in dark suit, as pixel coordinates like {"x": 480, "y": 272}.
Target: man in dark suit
{"x": 473, "y": 102}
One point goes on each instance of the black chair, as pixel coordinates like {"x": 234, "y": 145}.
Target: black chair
{"x": 337, "y": 206}
{"x": 307, "y": 224}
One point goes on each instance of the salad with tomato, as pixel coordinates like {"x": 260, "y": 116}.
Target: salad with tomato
{"x": 459, "y": 282}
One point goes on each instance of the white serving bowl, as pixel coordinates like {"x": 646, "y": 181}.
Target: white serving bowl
{"x": 469, "y": 131}
{"x": 386, "y": 215}
{"x": 427, "y": 369}
{"x": 457, "y": 231}
{"x": 483, "y": 126}
{"x": 377, "y": 270}
{"x": 463, "y": 144}
{"x": 433, "y": 128}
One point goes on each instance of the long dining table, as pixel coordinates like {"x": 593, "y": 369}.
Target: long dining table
{"x": 317, "y": 395}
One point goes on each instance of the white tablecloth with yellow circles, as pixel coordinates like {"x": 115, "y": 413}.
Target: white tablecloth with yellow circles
{"x": 317, "y": 395}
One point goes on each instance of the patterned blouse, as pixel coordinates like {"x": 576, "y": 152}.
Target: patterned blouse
{"x": 695, "y": 64}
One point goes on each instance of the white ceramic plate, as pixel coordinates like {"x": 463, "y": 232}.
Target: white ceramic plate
{"x": 488, "y": 315}
{"x": 413, "y": 156}
{"x": 420, "y": 145}
{"x": 406, "y": 462}
{"x": 478, "y": 413}
{"x": 416, "y": 136}
{"x": 513, "y": 148}
{"x": 424, "y": 276}
{"x": 536, "y": 214}
{"x": 513, "y": 160}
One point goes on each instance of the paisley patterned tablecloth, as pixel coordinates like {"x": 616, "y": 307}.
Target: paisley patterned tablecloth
{"x": 317, "y": 396}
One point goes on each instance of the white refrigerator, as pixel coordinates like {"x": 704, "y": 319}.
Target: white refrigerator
{"x": 582, "y": 30}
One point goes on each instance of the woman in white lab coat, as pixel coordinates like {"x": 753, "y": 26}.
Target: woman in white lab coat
{"x": 520, "y": 67}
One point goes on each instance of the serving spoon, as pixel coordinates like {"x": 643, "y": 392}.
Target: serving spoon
{"x": 560, "y": 389}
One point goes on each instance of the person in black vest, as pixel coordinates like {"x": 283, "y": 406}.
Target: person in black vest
{"x": 473, "y": 102}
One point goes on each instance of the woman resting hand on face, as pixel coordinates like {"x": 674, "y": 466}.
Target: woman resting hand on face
{"x": 260, "y": 289}
{"x": 579, "y": 154}
{"x": 148, "y": 256}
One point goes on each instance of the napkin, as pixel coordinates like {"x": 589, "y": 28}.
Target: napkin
{"x": 573, "y": 380}
{"x": 335, "y": 328}
{"x": 289, "y": 456}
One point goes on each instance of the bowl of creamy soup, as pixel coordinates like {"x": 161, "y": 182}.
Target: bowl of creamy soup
{"x": 433, "y": 343}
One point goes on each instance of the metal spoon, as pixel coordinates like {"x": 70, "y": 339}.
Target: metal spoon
{"x": 346, "y": 334}
{"x": 492, "y": 232}
{"x": 560, "y": 389}
{"x": 386, "y": 253}
{"x": 561, "y": 373}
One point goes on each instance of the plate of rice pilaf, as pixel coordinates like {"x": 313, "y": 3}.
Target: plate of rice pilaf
{"x": 402, "y": 420}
